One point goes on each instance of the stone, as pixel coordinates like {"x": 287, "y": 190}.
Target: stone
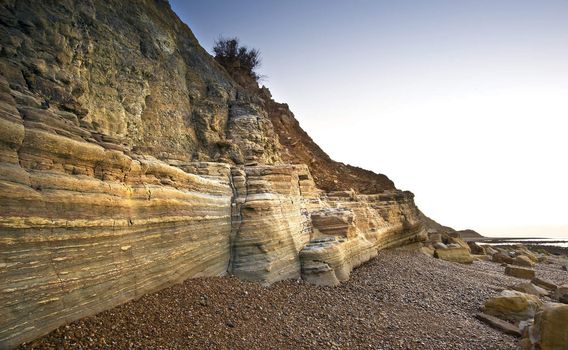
{"x": 435, "y": 237}
{"x": 329, "y": 261}
{"x": 561, "y": 294}
{"x": 550, "y": 328}
{"x": 522, "y": 260}
{"x": 459, "y": 255}
{"x": 427, "y": 250}
{"x": 512, "y": 305}
{"x": 519, "y": 272}
{"x": 520, "y": 249}
{"x": 525, "y": 344}
{"x": 439, "y": 245}
{"x": 460, "y": 242}
{"x": 524, "y": 326}
{"x": 497, "y": 323}
{"x": 489, "y": 250}
{"x": 477, "y": 249}
{"x": 501, "y": 258}
{"x": 529, "y": 288}
{"x": 543, "y": 258}
{"x": 543, "y": 283}
{"x": 338, "y": 246}
{"x": 481, "y": 257}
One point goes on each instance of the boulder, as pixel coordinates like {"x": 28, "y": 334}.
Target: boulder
{"x": 477, "y": 249}
{"x": 427, "y": 250}
{"x": 327, "y": 261}
{"x": 459, "y": 255}
{"x": 543, "y": 283}
{"x": 550, "y": 329}
{"x": 529, "y": 288}
{"x": 520, "y": 249}
{"x": 523, "y": 260}
{"x": 439, "y": 245}
{"x": 490, "y": 250}
{"x": 542, "y": 258}
{"x": 524, "y": 327}
{"x": 435, "y": 237}
{"x": 519, "y": 272}
{"x": 501, "y": 257}
{"x": 525, "y": 344}
{"x": 499, "y": 324}
{"x": 562, "y": 293}
{"x": 481, "y": 257}
{"x": 512, "y": 305}
{"x": 460, "y": 242}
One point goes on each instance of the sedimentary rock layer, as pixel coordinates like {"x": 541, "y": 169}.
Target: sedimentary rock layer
{"x": 354, "y": 229}
{"x": 84, "y": 227}
{"x": 130, "y": 160}
{"x": 272, "y": 224}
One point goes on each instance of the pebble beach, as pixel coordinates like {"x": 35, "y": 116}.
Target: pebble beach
{"x": 402, "y": 299}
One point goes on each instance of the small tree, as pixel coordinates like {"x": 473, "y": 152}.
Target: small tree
{"x": 231, "y": 55}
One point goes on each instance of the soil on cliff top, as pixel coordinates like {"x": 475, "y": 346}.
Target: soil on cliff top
{"x": 299, "y": 148}
{"x": 400, "y": 300}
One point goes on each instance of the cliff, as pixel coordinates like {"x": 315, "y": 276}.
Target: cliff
{"x": 130, "y": 160}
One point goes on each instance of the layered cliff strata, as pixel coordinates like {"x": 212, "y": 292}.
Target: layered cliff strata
{"x": 130, "y": 160}
{"x": 354, "y": 229}
{"x": 84, "y": 227}
{"x": 272, "y": 224}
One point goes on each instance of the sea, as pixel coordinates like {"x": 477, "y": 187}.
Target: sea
{"x": 557, "y": 241}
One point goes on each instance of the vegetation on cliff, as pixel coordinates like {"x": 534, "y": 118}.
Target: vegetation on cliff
{"x": 232, "y": 55}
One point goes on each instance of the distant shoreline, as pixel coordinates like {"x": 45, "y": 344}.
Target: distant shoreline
{"x": 533, "y": 243}
{"x": 519, "y": 239}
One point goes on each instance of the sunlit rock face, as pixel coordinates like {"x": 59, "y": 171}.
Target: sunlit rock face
{"x": 85, "y": 227}
{"x": 130, "y": 160}
{"x": 334, "y": 222}
{"x": 272, "y": 226}
{"x": 353, "y": 228}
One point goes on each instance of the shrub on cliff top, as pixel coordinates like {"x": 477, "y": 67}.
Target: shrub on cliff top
{"x": 233, "y": 56}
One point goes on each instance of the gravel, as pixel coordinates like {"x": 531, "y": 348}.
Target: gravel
{"x": 399, "y": 300}
{"x": 551, "y": 269}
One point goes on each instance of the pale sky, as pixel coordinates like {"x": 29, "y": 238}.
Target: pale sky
{"x": 464, "y": 103}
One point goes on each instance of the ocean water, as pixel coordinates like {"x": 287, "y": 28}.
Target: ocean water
{"x": 558, "y": 241}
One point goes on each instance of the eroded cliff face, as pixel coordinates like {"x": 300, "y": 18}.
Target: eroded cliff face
{"x": 130, "y": 160}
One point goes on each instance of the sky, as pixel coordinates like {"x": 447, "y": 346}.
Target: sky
{"x": 464, "y": 103}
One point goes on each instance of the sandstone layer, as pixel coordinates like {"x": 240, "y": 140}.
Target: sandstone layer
{"x": 130, "y": 160}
